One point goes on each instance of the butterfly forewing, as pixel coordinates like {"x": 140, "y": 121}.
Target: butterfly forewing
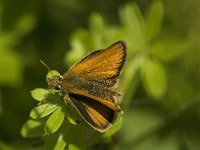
{"x": 101, "y": 65}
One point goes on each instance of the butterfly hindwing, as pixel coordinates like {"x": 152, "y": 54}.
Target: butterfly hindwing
{"x": 94, "y": 113}
{"x": 105, "y": 98}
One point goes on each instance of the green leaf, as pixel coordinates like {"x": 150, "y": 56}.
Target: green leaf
{"x": 78, "y": 46}
{"x": 25, "y": 24}
{"x": 6, "y": 146}
{"x": 11, "y": 67}
{"x": 71, "y": 120}
{"x": 72, "y": 147}
{"x": 133, "y": 22}
{"x": 76, "y": 135}
{"x": 54, "y": 97}
{"x": 154, "y": 79}
{"x": 154, "y": 18}
{"x": 43, "y": 110}
{"x": 138, "y": 123}
{"x": 33, "y": 128}
{"x": 51, "y": 74}
{"x": 7, "y": 40}
{"x": 157, "y": 142}
{"x": 72, "y": 115}
{"x": 97, "y": 29}
{"x": 169, "y": 49}
{"x": 39, "y": 94}
{"x": 1, "y": 106}
{"x": 61, "y": 143}
{"x": 55, "y": 121}
{"x": 115, "y": 127}
{"x": 130, "y": 78}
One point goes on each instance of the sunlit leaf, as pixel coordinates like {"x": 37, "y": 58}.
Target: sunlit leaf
{"x": 154, "y": 18}
{"x": 51, "y": 74}
{"x": 43, "y": 110}
{"x": 133, "y": 22}
{"x": 39, "y": 94}
{"x": 61, "y": 143}
{"x": 169, "y": 49}
{"x": 130, "y": 78}
{"x": 55, "y": 121}
{"x": 97, "y": 29}
{"x": 71, "y": 120}
{"x": 11, "y": 67}
{"x": 154, "y": 78}
{"x": 72, "y": 147}
{"x": 79, "y": 43}
{"x": 115, "y": 127}
{"x": 25, "y": 24}
{"x": 33, "y": 128}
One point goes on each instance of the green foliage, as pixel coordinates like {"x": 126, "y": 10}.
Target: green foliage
{"x": 153, "y": 76}
{"x": 11, "y": 75}
{"x": 43, "y": 110}
{"x": 154, "y": 19}
{"x": 51, "y": 74}
{"x": 48, "y": 107}
{"x": 54, "y": 121}
{"x": 48, "y": 119}
{"x": 160, "y": 81}
{"x": 11, "y": 62}
{"x": 149, "y": 52}
{"x": 84, "y": 41}
{"x": 39, "y": 94}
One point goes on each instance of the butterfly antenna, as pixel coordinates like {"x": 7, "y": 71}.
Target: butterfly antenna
{"x": 45, "y": 65}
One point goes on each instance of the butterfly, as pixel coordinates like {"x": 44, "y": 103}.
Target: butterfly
{"x": 90, "y": 85}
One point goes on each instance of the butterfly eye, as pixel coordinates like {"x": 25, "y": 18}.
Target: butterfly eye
{"x": 57, "y": 87}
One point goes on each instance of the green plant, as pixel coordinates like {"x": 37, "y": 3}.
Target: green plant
{"x": 156, "y": 76}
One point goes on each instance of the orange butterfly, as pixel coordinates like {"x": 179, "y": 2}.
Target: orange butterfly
{"x": 90, "y": 85}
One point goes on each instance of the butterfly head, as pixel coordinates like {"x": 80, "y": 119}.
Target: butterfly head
{"x": 54, "y": 79}
{"x": 55, "y": 82}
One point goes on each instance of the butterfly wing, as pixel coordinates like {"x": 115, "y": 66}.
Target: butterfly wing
{"x": 94, "y": 113}
{"x": 96, "y": 74}
{"x": 102, "y": 65}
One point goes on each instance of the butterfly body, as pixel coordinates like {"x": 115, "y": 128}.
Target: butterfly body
{"x": 90, "y": 85}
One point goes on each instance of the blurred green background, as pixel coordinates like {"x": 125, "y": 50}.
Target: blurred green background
{"x": 160, "y": 82}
